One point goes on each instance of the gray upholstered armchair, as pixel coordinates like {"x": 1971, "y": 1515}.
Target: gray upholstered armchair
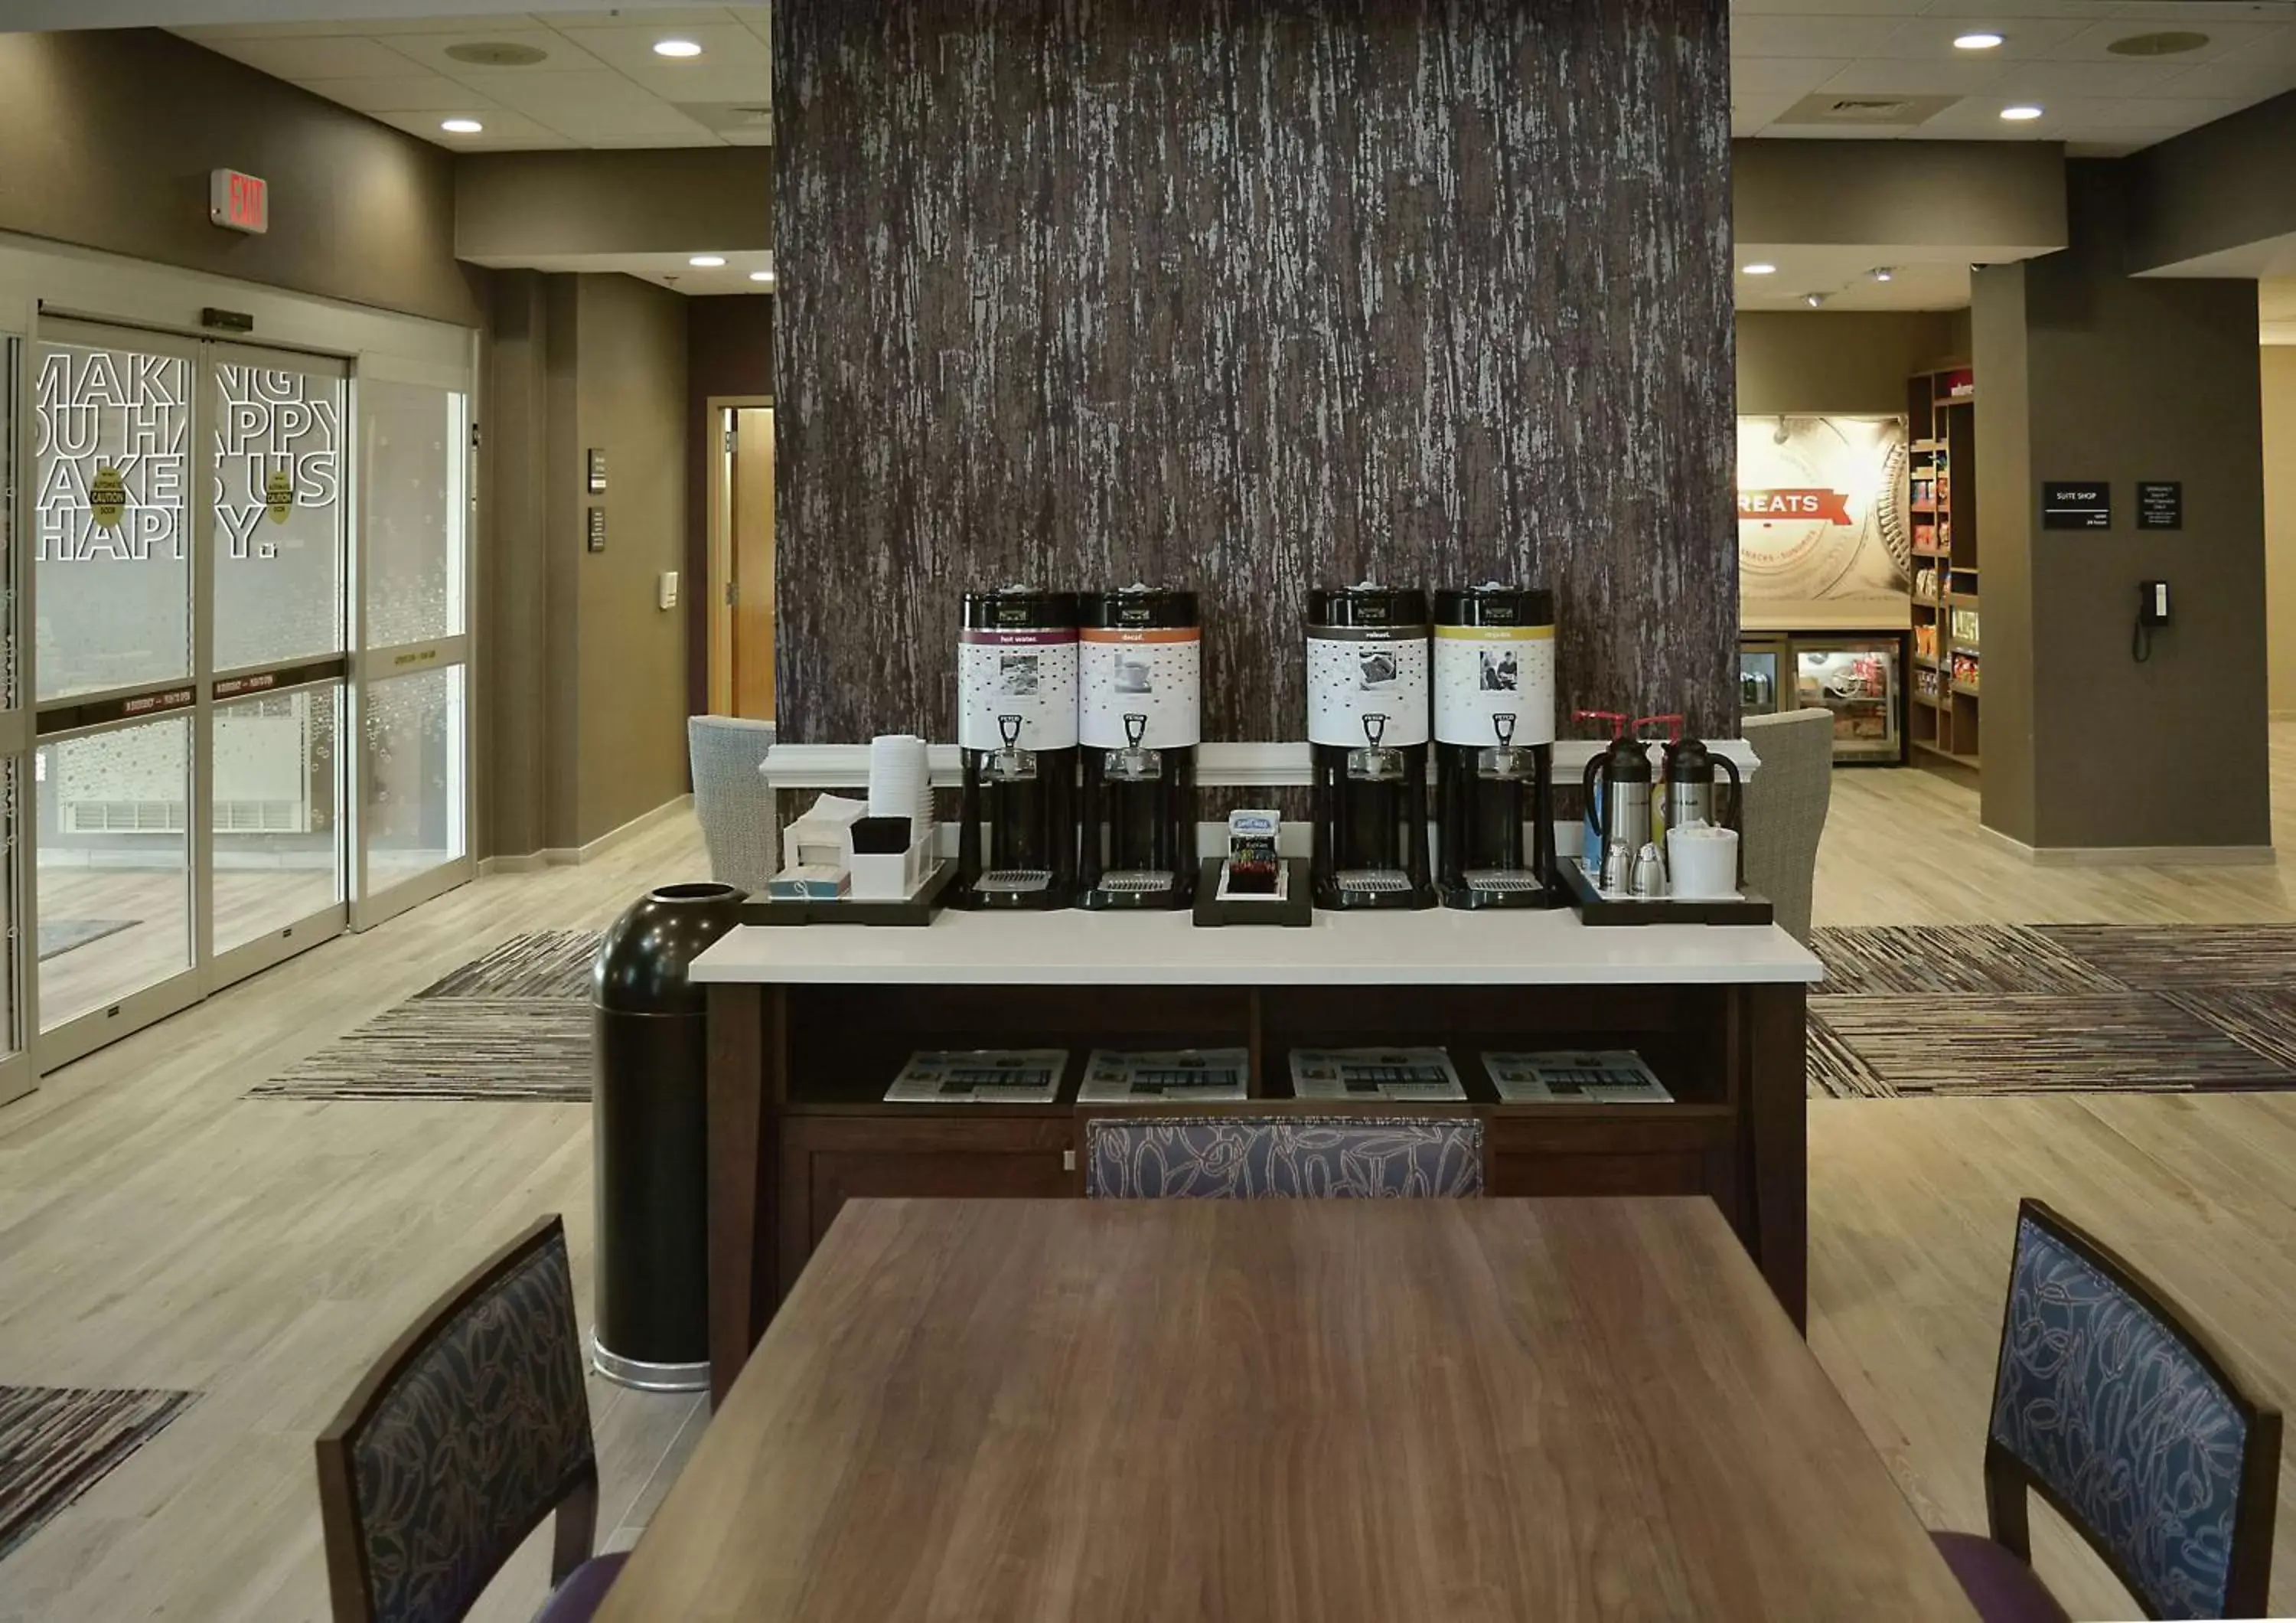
{"x": 1786, "y": 800}
{"x": 733, "y": 802}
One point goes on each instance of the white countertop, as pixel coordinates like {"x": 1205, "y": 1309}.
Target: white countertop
{"x": 1439, "y": 946}
{"x": 846, "y": 766}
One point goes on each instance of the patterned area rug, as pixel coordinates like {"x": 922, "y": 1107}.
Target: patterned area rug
{"x": 57, "y": 1442}
{"x": 513, "y": 1026}
{"x": 1969, "y": 1009}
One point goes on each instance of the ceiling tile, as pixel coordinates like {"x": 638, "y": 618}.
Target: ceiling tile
{"x": 1871, "y": 8}
{"x": 595, "y": 108}
{"x": 756, "y": 18}
{"x": 638, "y": 16}
{"x": 1880, "y": 76}
{"x": 332, "y": 27}
{"x": 747, "y": 137}
{"x": 1749, "y": 113}
{"x": 2040, "y": 81}
{"x": 2224, "y": 38}
{"x": 1776, "y": 75}
{"x": 407, "y": 93}
{"x": 503, "y": 130}
{"x": 1766, "y": 35}
{"x": 2020, "y": 37}
{"x": 302, "y": 60}
{"x": 2244, "y": 82}
{"x": 561, "y": 54}
{"x": 734, "y": 62}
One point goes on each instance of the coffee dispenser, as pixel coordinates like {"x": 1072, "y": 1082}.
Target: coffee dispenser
{"x": 1494, "y": 738}
{"x": 1368, "y": 728}
{"x": 1016, "y": 680}
{"x": 1140, "y": 714}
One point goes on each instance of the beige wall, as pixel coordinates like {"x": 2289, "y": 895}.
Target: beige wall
{"x": 584, "y": 726}
{"x": 631, "y": 402}
{"x": 2279, "y": 379}
{"x": 525, "y": 207}
{"x": 1847, "y": 361}
{"x": 107, "y": 137}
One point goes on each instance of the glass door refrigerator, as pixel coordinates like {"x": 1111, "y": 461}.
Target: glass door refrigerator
{"x": 1857, "y": 679}
{"x": 1763, "y": 685}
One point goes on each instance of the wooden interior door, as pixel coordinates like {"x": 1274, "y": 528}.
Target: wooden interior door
{"x": 753, "y": 563}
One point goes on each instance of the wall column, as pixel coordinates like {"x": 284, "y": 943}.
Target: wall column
{"x": 2086, "y": 374}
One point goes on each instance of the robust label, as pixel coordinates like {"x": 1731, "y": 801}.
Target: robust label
{"x": 1017, "y": 687}
{"x": 1494, "y": 684}
{"x": 1141, "y": 688}
{"x": 1367, "y": 685}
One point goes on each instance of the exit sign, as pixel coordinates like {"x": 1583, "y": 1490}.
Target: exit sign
{"x": 239, "y": 202}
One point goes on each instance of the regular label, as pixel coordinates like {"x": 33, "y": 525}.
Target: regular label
{"x": 1494, "y": 684}
{"x": 1017, "y": 687}
{"x": 1141, "y": 688}
{"x": 1367, "y": 685}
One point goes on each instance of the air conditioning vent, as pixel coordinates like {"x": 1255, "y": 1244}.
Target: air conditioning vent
{"x": 1866, "y": 112}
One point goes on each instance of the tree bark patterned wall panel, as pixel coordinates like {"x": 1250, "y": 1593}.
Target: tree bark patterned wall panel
{"x": 1251, "y": 295}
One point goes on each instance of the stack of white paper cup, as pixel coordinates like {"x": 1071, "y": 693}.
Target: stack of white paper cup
{"x": 900, "y": 779}
{"x": 1702, "y": 862}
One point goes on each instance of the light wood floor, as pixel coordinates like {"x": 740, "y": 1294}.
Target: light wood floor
{"x": 158, "y": 1228}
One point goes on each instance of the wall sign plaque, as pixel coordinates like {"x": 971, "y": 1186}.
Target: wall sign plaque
{"x": 2161, "y": 505}
{"x": 595, "y": 529}
{"x": 2076, "y": 504}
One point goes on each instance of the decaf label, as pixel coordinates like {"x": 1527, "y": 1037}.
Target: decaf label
{"x": 1494, "y": 684}
{"x": 1367, "y": 685}
{"x": 1017, "y": 687}
{"x": 107, "y": 497}
{"x": 1141, "y": 688}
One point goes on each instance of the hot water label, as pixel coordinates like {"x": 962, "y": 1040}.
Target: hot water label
{"x": 1367, "y": 685}
{"x": 1017, "y": 687}
{"x": 1141, "y": 687}
{"x": 1490, "y": 679}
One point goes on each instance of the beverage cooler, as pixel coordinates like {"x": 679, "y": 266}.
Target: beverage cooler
{"x": 1859, "y": 679}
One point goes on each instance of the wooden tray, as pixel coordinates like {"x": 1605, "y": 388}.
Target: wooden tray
{"x": 916, "y": 910}
{"x": 1594, "y": 908}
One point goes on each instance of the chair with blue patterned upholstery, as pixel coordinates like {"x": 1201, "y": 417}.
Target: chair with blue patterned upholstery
{"x": 1277, "y": 1157}
{"x": 465, "y": 1434}
{"x": 2113, "y": 1408}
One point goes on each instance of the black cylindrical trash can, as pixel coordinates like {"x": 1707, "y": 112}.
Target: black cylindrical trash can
{"x": 649, "y": 1133}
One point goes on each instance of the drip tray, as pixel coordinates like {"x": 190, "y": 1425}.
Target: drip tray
{"x": 1374, "y": 881}
{"x": 1136, "y": 882}
{"x": 1014, "y": 881}
{"x": 1503, "y": 881}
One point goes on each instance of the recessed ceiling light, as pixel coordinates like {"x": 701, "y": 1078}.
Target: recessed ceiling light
{"x": 1882, "y": 273}
{"x": 1812, "y": 300}
{"x": 1980, "y": 41}
{"x": 1759, "y": 267}
{"x": 2024, "y": 115}
{"x": 707, "y": 261}
{"x": 676, "y": 47}
{"x": 461, "y": 127}
{"x": 761, "y": 275}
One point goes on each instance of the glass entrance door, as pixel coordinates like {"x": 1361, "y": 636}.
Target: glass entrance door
{"x": 415, "y": 501}
{"x": 189, "y": 597}
{"x": 114, "y": 465}
{"x": 277, "y": 641}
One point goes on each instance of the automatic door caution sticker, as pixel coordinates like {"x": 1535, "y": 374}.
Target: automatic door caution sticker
{"x": 279, "y": 495}
{"x": 107, "y": 497}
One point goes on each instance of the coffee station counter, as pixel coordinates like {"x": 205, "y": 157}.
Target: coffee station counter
{"x": 1436, "y": 947}
{"x": 808, "y": 1028}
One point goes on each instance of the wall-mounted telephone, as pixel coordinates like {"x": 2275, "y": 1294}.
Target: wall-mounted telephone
{"x": 2151, "y": 610}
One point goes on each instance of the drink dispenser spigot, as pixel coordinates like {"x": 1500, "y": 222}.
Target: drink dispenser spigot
{"x": 1017, "y": 735}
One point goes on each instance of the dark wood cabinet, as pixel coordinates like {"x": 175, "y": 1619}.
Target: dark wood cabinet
{"x": 827, "y": 1160}
{"x": 799, "y": 1124}
{"x": 1680, "y": 1151}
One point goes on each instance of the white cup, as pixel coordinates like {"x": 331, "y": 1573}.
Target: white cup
{"x": 1702, "y": 862}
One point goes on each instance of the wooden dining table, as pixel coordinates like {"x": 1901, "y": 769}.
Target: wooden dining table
{"x": 1548, "y": 1409}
